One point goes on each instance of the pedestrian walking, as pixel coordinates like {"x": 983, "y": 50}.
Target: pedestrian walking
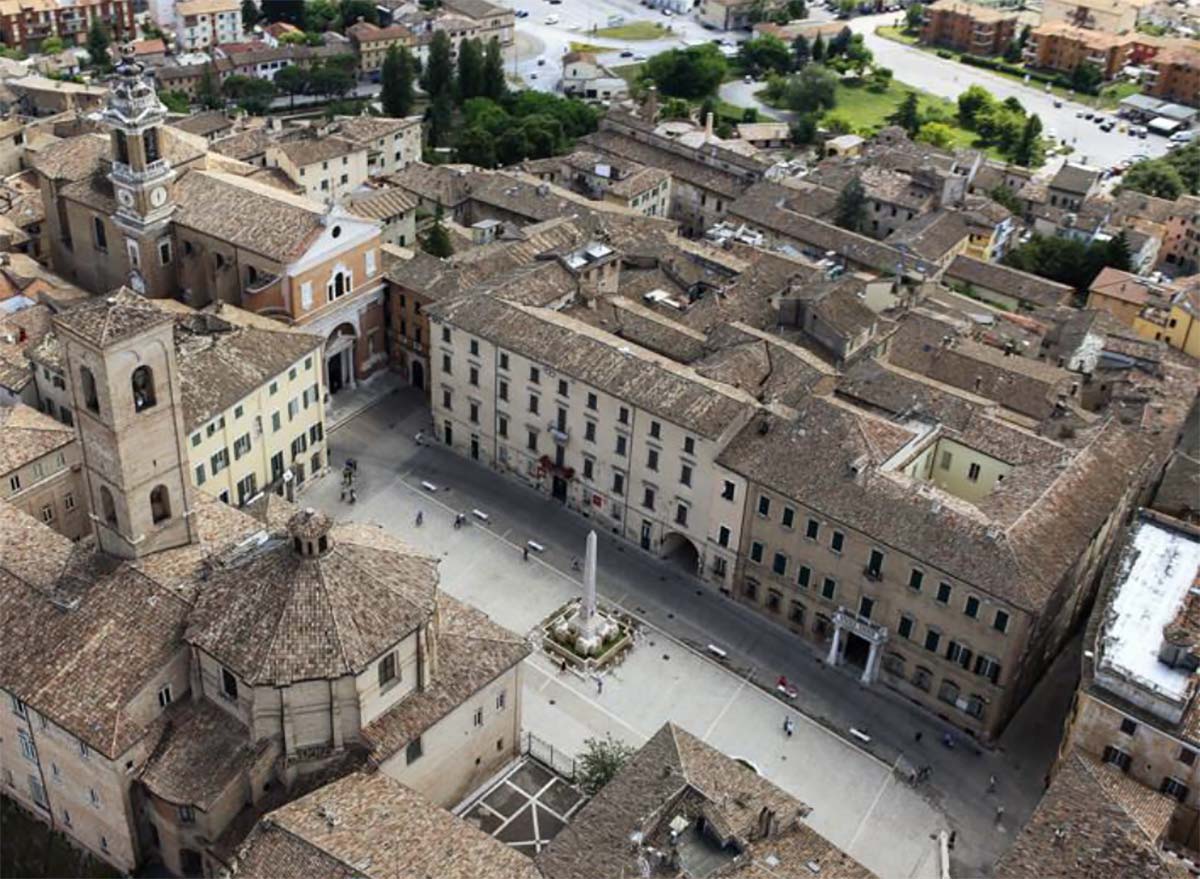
{"x": 999, "y": 814}
{"x": 991, "y": 784}
{"x": 599, "y": 685}
{"x": 789, "y": 727}
{"x": 574, "y": 564}
{"x": 420, "y": 518}
{"x": 918, "y": 736}
{"x": 562, "y": 668}
{"x": 420, "y": 437}
{"x": 524, "y": 553}
{"x": 353, "y": 496}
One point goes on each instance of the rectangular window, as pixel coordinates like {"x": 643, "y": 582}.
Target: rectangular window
{"x": 473, "y": 376}
{"x": 502, "y": 426}
{"x": 562, "y": 388}
{"x": 500, "y": 700}
{"x": 905, "y": 629}
{"x": 589, "y": 469}
{"x": 681, "y": 515}
{"x": 812, "y": 529}
{"x": 94, "y": 797}
{"x": 788, "y": 518}
{"x": 727, "y": 490}
{"x": 756, "y": 552}
{"x": 915, "y": 578}
{"x": 412, "y": 752}
{"x": 474, "y": 413}
{"x": 971, "y": 608}
{"x": 1000, "y": 622}
{"x": 933, "y": 638}
{"x": 27, "y": 749}
{"x": 764, "y": 505}
{"x": 100, "y": 235}
{"x": 229, "y": 685}
{"x": 837, "y": 541}
{"x": 943, "y": 593}
{"x": 1128, "y": 727}
{"x": 164, "y": 695}
{"x": 779, "y": 564}
{"x": 655, "y": 430}
{"x": 503, "y": 360}
{"x": 618, "y": 483}
{"x": 387, "y": 670}
{"x": 875, "y": 565}
{"x": 648, "y": 498}
{"x": 534, "y": 403}
{"x": 652, "y": 459}
{"x": 829, "y": 588}
{"x": 689, "y": 446}
{"x": 723, "y": 535}
{"x": 446, "y": 363}
{"x": 946, "y": 459}
{"x": 445, "y": 334}
{"x": 478, "y": 717}
{"x": 503, "y": 389}
{"x": 591, "y": 401}
{"x": 446, "y": 399}
{"x": 804, "y": 576}
{"x": 219, "y": 461}
{"x": 187, "y": 815}
{"x": 532, "y": 441}
{"x": 623, "y": 415}
{"x": 973, "y": 473}
{"x": 620, "y": 444}
{"x": 589, "y": 431}
{"x": 535, "y": 375}
{"x": 276, "y": 422}
{"x": 685, "y": 475}
{"x": 1173, "y": 787}
{"x": 241, "y": 446}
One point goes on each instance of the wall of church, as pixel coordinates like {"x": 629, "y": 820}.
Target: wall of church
{"x": 97, "y": 259}
{"x": 212, "y": 270}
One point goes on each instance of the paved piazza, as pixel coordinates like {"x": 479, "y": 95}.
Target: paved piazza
{"x": 857, "y": 801}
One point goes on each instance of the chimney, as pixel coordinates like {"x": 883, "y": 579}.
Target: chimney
{"x": 708, "y": 127}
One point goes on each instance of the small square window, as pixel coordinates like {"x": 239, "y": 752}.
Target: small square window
{"x": 1187, "y": 756}
{"x": 1129, "y": 727}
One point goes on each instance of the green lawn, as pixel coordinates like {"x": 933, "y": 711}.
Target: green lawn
{"x": 897, "y": 34}
{"x": 590, "y": 47}
{"x": 634, "y": 30}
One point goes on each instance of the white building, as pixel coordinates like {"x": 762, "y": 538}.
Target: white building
{"x": 202, "y": 24}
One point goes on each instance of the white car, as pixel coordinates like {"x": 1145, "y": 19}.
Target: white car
{"x": 1183, "y": 137}
{"x": 551, "y": 19}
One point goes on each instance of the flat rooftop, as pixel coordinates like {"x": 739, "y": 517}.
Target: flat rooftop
{"x": 1158, "y": 571}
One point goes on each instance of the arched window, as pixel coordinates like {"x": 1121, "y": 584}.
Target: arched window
{"x": 160, "y": 503}
{"x": 142, "y": 383}
{"x": 107, "y": 507}
{"x": 89, "y": 389}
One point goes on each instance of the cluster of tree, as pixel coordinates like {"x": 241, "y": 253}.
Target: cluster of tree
{"x": 1016, "y": 48}
{"x": 792, "y": 10}
{"x": 331, "y": 79}
{"x": 1087, "y": 78}
{"x": 478, "y": 74}
{"x": 522, "y": 125}
{"x": 691, "y": 73}
{"x": 98, "y": 41}
{"x": 1175, "y": 174}
{"x": 600, "y": 762}
{"x": 1004, "y": 125}
{"x": 1070, "y": 261}
{"x": 318, "y": 16}
{"x": 923, "y": 125}
{"x": 914, "y": 18}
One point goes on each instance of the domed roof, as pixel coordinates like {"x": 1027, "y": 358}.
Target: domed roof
{"x": 277, "y": 615}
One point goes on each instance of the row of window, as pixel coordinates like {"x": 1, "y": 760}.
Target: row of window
{"x": 1170, "y": 785}
{"x": 780, "y": 564}
{"x": 22, "y": 710}
{"x": 37, "y": 793}
{"x": 308, "y": 397}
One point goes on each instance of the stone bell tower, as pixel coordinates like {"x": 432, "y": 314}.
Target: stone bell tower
{"x": 120, "y": 360}
{"x": 142, "y": 178}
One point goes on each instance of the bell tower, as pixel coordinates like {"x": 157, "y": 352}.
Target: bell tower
{"x": 141, "y": 176}
{"x": 120, "y": 360}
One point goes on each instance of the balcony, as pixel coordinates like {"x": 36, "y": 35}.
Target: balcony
{"x": 546, "y": 464}
{"x": 559, "y": 433}
{"x": 872, "y": 574}
{"x": 261, "y": 284}
{"x": 155, "y": 169}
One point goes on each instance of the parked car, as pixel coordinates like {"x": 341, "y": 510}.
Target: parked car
{"x": 1183, "y": 136}
{"x": 626, "y": 54}
{"x": 1108, "y": 126}
{"x": 1057, "y": 102}
{"x": 747, "y": 79}
{"x": 1088, "y": 114}
{"x": 541, "y": 62}
{"x": 522, "y": 13}
{"x": 551, "y": 19}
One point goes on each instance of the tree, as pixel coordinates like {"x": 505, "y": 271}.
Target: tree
{"x": 971, "y": 102}
{"x": 351, "y": 11}
{"x": 250, "y": 14}
{"x": 495, "y": 85}
{"x": 687, "y": 73}
{"x": 51, "y": 46}
{"x": 1068, "y": 260}
{"x": 208, "y": 93}
{"x": 439, "y": 69}
{"x": 486, "y": 114}
{"x": 1012, "y": 52}
{"x": 914, "y": 18}
{"x": 1002, "y": 195}
{"x": 937, "y": 134}
{"x": 437, "y": 240}
{"x": 858, "y": 56}
{"x": 600, "y": 762}
{"x": 908, "y": 114}
{"x": 250, "y": 93}
{"x": 292, "y": 80}
{"x": 1119, "y": 254}
{"x": 1086, "y": 78}
{"x": 801, "y": 52}
{"x": 812, "y": 89}
{"x": 511, "y": 146}
{"x": 319, "y": 16}
{"x": 818, "y": 49}
{"x": 880, "y": 79}
{"x": 846, "y": 8}
{"x": 764, "y": 54}
{"x": 840, "y": 42}
{"x": 850, "y": 211}
{"x": 440, "y": 118}
{"x": 797, "y": 10}
{"x": 330, "y": 80}
{"x": 1154, "y": 177}
{"x": 678, "y": 108}
{"x": 175, "y": 101}
{"x": 837, "y": 124}
{"x": 476, "y": 147}
{"x": 470, "y": 70}
{"x": 1186, "y": 160}
{"x": 804, "y": 130}
{"x": 1030, "y": 151}
{"x": 97, "y": 44}
{"x": 397, "y": 77}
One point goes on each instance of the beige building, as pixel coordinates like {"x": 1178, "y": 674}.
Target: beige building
{"x": 40, "y": 470}
{"x": 628, "y": 184}
{"x": 393, "y": 207}
{"x": 253, "y": 400}
{"x": 202, "y": 24}
{"x": 327, "y": 168}
{"x": 608, "y": 428}
{"x": 1138, "y": 704}
{"x": 1111, "y": 16}
{"x": 371, "y": 44}
{"x": 270, "y": 649}
{"x": 391, "y": 144}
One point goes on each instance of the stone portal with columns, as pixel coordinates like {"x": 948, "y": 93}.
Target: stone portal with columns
{"x": 876, "y": 636}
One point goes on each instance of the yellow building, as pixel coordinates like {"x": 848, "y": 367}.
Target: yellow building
{"x": 1168, "y": 314}
{"x": 253, "y": 400}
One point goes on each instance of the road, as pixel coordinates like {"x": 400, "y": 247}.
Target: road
{"x": 759, "y": 651}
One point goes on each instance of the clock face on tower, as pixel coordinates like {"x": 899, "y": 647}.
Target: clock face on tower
{"x": 125, "y": 197}
{"x": 158, "y": 196}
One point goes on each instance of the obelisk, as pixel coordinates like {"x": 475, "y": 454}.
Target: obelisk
{"x": 587, "y": 611}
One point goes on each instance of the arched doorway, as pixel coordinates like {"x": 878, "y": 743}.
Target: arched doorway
{"x": 339, "y": 358}
{"x": 681, "y": 552}
{"x": 418, "y": 375}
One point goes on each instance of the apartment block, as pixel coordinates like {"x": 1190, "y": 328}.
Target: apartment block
{"x": 1062, "y": 47}
{"x": 25, "y": 23}
{"x": 40, "y": 470}
{"x": 1175, "y": 74}
{"x": 980, "y": 30}
{"x": 205, "y": 24}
